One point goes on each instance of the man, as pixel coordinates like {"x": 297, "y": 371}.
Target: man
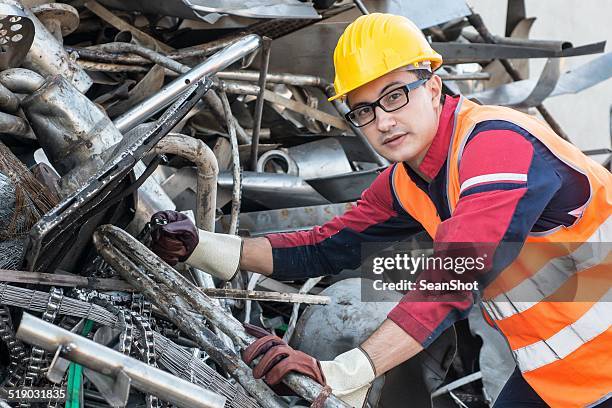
{"x": 465, "y": 174}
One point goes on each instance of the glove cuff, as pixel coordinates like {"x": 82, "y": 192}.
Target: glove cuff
{"x": 217, "y": 254}
{"x": 349, "y": 375}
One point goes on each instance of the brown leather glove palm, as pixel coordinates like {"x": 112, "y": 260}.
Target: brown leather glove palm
{"x": 174, "y": 238}
{"x": 278, "y": 359}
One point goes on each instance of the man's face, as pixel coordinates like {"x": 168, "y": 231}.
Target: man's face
{"x": 404, "y": 134}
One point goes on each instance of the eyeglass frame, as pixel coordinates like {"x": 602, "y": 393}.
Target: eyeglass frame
{"x": 406, "y": 88}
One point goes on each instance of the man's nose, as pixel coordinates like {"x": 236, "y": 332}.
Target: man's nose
{"x": 385, "y": 121}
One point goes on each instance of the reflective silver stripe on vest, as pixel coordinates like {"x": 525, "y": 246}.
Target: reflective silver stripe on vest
{"x": 553, "y": 274}
{"x": 595, "y": 321}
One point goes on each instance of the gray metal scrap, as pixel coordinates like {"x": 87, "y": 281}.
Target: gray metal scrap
{"x": 47, "y": 56}
{"x": 168, "y": 93}
{"x": 121, "y": 250}
{"x": 144, "y": 270}
{"x": 124, "y": 369}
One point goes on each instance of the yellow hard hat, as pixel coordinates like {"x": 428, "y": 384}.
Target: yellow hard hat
{"x": 376, "y": 44}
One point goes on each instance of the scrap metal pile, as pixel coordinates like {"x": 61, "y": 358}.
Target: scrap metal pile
{"x": 113, "y": 110}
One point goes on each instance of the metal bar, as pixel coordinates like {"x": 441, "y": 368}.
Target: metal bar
{"x": 148, "y": 263}
{"x": 222, "y": 59}
{"x": 104, "y": 360}
{"x": 260, "y": 295}
{"x": 53, "y": 279}
{"x": 361, "y": 7}
{"x": 246, "y": 89}
{"x": 259, "y": 104}
{"x": 289, "y": 79}
{"x": 236, "y": 173}
{"x": 108, "y": 67}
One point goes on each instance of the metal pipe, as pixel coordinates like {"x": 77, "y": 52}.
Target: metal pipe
{"x": 8, "y": 100}
{"x": 288, "y": 79}
{"x": 14, "y": 125}
{"x": 222, "y": 59}
{"x": 361, "y": 7}
{"x": 48, "y": 57}
{"x": 107, "y": 361}
{"x": 203, "y": 157}
{"x": 259, "y": 104}
{"x": 21, "y": 80}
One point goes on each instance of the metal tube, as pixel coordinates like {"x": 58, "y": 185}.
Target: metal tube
{"x": 203, "y": 157}
{"x": 107, "y": 361}
{"x": 259, "y": 104}
{"x": 48, "y": 57}
{"x": 21, "y": 80}
{"x": 168, "y": 93}
{"x": 288, "y": 79}
{"x": 361, "y": 7}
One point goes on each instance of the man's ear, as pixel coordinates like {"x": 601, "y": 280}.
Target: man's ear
{"x": 435, "y": 86}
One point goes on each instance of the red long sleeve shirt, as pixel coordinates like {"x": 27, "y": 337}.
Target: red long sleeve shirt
{"x": 491, "y": 209}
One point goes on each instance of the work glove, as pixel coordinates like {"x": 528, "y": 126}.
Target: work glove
{"x": 179, "y": 240}
{"x": 173, "y": 236}
{"x": 349, "y": 375}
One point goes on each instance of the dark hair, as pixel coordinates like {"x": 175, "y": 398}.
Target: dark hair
{"x": 422, "y": 73}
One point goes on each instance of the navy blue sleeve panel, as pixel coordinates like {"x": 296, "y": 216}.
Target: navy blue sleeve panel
{"x": 336, "y": 245}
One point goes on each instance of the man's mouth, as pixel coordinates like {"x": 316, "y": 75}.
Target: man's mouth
{"x": 394, "y": 140}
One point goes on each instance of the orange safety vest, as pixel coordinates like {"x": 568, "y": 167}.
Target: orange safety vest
{"x": 563, "y": 348}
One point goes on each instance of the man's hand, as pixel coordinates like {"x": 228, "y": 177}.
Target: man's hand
{"x": 174, "y": 237}
{"x": 349, "y": 375}
{"x": 279, "y": 359}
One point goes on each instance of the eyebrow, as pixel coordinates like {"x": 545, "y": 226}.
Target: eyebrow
{"x": 382, "y": 91}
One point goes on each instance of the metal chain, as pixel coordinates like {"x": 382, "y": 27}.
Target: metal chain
{"x": 146, "y": 348}
{"x": 16, "y": 349}
{"x": 126, "y": 338}
{"x": 37, "y": 354}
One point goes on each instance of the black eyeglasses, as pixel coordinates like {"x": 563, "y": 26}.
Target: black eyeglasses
{"x": 389, "y": 102}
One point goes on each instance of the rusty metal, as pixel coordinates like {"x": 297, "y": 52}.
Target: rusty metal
{"x": 130, "y": 257}
{"x": 203, "y": 157}
{"x": 135, "y": 263}
{"x": 236, "y": 173}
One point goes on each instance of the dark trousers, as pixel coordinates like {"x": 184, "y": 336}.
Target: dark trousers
{"x": 518, "y": 393}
